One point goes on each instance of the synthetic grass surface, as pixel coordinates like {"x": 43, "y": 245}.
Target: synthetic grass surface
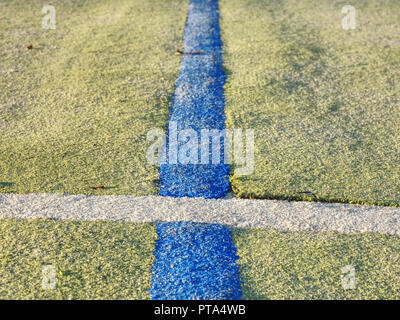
{"x": 113, "y": 260}
{"x": 324, "y": 102}
{"x": 93, "y": 260}
{"x": 75, "y": 110}
{"x": 301, "y": 265}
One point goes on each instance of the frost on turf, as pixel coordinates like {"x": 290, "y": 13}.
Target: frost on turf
{"x": 209, "y": 146}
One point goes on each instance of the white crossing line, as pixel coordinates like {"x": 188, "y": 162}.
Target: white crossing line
{"x": 281, "y": 215}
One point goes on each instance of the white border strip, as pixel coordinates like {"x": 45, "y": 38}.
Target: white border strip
{"x": 281, "y": 215}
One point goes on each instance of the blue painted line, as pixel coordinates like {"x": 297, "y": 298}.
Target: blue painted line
{"x": 195, "y": 261}
{"x": 198, "y": 103}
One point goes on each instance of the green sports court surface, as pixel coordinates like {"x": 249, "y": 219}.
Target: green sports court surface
{"x": 324, "y": 101}
{"x": 112, "y": 260}
{"x": 76, "y": 108}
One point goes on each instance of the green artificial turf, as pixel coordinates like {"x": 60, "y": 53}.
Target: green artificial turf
{"x": 305, "y": 265}
{"x": 324, "y": 102}
{"x": 75, "y": 110}
{"x": 92, "y": 260}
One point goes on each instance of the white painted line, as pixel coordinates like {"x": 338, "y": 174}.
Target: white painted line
{"x": 281, "y": 215}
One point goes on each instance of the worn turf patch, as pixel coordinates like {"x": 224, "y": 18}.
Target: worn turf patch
{"x": 324, "y": 101}
{"x": 92, "y": 260}
{"x": 76, "y": 108}
{"x": 195, "y": 261}
{"x": 305, "y": 265}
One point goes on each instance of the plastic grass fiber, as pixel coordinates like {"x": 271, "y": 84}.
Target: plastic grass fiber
{"x": 306, "y": 265}
{"x": 324, "y": 101}
{"x": 92, "y": 260}
{"x": 195, "y": 261}
{"x": 76, "y": 108}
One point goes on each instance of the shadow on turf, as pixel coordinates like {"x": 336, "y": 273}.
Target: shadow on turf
{"x": 6, "y": 184}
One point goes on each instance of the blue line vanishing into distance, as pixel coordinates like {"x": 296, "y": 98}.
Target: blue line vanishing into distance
{"x": 196, "y": 260}
{"x": 198, "y": 103}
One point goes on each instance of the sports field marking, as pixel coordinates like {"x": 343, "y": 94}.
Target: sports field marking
{"x": 198, "y": 104}
{"x": 242, "y": 213}
{"x": 195, "y": 261}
